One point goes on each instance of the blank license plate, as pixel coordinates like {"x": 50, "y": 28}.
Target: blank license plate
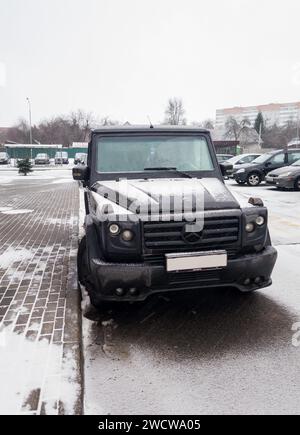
{"x": 196, "y": 261}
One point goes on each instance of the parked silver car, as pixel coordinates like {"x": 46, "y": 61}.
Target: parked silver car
{"x": 4, "y": 158}
{"x": 287, "y": 177}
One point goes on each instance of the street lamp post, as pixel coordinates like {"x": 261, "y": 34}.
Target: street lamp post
{"x": 30, "y": 125}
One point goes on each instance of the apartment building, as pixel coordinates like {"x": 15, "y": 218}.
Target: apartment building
{"x": 280, "y": 113}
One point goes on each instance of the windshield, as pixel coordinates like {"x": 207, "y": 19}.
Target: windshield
{"x": 263, "y": 158}
{"x": 41, "y": 156}
{"x": 297, "y": 163}
{"x": 137, "y": 154}
{"x": 234, "y": 159}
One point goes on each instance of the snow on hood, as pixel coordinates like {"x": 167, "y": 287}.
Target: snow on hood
{"x": 119, "y": 195}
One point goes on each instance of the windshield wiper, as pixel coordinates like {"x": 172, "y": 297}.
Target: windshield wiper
{"x": 162, "y": 168}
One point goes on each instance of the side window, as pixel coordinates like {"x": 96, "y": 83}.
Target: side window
{"x": 278, "y": 159}
{"x": 293, "y": 157}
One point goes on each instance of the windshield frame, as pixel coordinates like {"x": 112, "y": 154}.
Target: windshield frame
{"x": 294, "y": 164}
{"x": 150, "y": 173}
{"x": 215, "y": 172}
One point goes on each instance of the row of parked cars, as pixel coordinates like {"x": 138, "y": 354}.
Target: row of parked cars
{"x": 278, "y": 168}
{"x": 61, "y": 157}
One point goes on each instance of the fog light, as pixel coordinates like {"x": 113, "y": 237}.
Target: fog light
{"x": 260, "y": 220}
{"x": 133, "y": 291}
{"x": 250, "y": 227}
{"x": 247, "y": 281}
{"x": 127, "y": 235}
{"x": 120, "y": 291}
{"x": 114, "y": 229}
{"x": 257, "y": 280}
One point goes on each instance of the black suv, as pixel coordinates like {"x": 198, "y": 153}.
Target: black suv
{"x": 159, "y": 218}
{"x": 255, "y": 172}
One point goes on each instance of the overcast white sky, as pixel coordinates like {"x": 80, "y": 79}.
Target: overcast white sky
{"x": 125, "y": 58}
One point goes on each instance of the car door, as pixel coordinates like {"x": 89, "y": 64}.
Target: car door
{"x": 275, "y": 162}
{"x": 293, "y": 156}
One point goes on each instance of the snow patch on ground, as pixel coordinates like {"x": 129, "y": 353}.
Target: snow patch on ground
{"x": 20, "y": 211}
{"x": 12, "y": 255}
{"x": 73, "y": 220}
{"x": 63, "y": 180}
{"x": 24, "y": 365}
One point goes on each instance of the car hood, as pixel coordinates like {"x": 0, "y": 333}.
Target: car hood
{"x": 285, "y": 169}
{"x": 247, "y": 165}
{"x": 207, "y": 193}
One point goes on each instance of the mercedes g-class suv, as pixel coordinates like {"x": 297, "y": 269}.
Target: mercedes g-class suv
{"x": 159, "y": 218}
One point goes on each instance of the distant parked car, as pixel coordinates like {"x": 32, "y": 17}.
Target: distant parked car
{"x": 4, "y": 158}
{"x": 80, "y": 158}
{"x": 42, "y": 159}
{"x": 285, "y": 178}
{"x": 241, "y": 159}
{"x": 224, "y": 157}
{"x": 255, "y": 172}
{"x": 61, "y": 157}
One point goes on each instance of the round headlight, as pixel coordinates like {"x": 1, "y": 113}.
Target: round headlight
{"x": 250, "y": 227}
{"x": 114, "y": 229}
{"x": 260, "y": 220}
{"x": 127, "y": 235}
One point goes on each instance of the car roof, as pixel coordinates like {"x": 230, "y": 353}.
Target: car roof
{"x": 282, "y": 150}
{"x": 151, "y": 129}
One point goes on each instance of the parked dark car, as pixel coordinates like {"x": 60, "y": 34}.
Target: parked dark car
{"x": 4, "y": 158}
{"x": 42, "y": 159}
{"x": 61, "y": 157}
{"x": 80, "y": 158}
{"x": 254, "y": 173}
{"x": 285, "y": 178}
{"x": 137, "y": 240}
{"x": 241, "y": 159}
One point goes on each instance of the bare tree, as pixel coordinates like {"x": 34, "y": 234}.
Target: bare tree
{"x": 107, "y": 121}
{"x": 234, "y": 128}
{"x": 207, "y": 124}
{"x": 175, "y": 112}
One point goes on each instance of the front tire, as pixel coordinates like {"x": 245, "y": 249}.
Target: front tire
{"x": 297, "y": 184}
{"x": 84, "y": 275}
{"x": 253, "y": 179}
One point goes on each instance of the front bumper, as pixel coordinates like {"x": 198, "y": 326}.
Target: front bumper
{"x": 240, "y": 176}
{"x": 148, "y": 279}
{"x": 284, "y": 183}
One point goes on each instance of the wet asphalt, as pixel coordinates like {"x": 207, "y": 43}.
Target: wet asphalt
{"x": 208, "y": 351}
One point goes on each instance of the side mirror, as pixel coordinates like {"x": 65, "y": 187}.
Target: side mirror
{"x": 268, "y": 164}
{"x": 226, "y": 168}
{"x": 80, "y": 173}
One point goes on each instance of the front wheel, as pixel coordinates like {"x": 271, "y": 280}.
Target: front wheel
{"x": 253, "y": 179}
{"x": 297, "y": 184}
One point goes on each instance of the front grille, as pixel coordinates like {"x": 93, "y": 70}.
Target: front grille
{"x": 218, "y": 232}
{"x": 191, "y": 279}
{"x": 207, "y": 275}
